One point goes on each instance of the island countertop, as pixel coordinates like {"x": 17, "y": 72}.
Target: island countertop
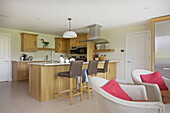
{"x": 53, "y": 64}
{"x": 43, "y": 83}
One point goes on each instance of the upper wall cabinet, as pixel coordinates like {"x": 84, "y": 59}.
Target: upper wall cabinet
{"x": 74, "y": 42}
{"x": 62, "y": 45}
{"x": 28, "y": 42}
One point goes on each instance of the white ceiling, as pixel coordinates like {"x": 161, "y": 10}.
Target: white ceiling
{"x": 50, "y": 16}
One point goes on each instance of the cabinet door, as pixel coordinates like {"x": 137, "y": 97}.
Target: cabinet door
{"x": 28, "y": 42}
{"x": 57, "y": 45}
{"x": 22, "y": 71}
{"x": 62, "y": 45}
{"x": 82, "y": 37}
{"x": 73, "y": 42}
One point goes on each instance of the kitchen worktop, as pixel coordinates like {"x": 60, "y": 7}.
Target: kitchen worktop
{"x": 53, "y": 64}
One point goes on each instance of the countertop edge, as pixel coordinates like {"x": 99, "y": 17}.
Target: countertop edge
{"x": 57, "y": 64}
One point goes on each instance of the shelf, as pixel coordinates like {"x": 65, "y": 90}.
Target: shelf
{"x": 46, "y": 49}
{"x": 104, "y": 50}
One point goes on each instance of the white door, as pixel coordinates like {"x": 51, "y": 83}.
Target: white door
{"x": 138, "y": 52}
{"x": 4, "y": 57}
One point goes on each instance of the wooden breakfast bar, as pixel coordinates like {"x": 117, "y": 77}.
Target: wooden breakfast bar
{"x": 43, "y": 78}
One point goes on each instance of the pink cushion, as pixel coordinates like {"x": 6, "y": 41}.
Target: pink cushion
{"x": 114, "y": 89}
{"x": 155, "y": 78}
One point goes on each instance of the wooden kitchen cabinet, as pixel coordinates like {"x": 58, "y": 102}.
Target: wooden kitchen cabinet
{"x": 28, "y": 42}
{"x": 74, "y": 42}
{"x": 20, "y": 70}
{"x": 62, "y": 45}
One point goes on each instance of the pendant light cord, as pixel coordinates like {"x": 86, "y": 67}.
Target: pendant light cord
{"x": 69, "y": 24}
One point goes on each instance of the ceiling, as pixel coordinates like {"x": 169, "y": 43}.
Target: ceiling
{"x": 50, "y": 16}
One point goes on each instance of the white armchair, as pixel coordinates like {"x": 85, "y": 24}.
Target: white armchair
{"x": 111, "y": 104}
{"x": 153, "y": 91}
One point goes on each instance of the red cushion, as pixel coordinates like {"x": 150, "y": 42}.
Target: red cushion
{"x": 155, "y": 78}
{"x": 114, "y": 89}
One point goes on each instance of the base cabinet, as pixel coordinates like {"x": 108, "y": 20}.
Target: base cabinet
{"x": 20, "y": 70}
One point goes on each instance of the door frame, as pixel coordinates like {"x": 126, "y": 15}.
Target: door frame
{"x": 154, "y": 20}
{"x": 147, "y": 31}
{"x": 9, "y": 53}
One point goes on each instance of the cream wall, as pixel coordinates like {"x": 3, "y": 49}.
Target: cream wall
{"x": 117, "y": 40}
{"x": 16, "y": 44}
{"x": 116, "y": 37}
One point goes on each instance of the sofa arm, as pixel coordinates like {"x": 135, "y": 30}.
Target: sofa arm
{"x": 136, "y": 92}
{"x": 167, "y": 82}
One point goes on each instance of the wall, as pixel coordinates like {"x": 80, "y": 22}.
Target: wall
{"x": 116, "y": 37}
{"x": 16, "y": 44}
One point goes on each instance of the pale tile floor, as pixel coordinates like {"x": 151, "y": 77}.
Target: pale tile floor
{"x": 14, "y": 98}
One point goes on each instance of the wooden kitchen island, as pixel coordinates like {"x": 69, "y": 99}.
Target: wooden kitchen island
{"x": 43, "y": 78}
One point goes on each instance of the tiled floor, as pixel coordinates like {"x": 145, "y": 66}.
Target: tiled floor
{"x": 14, "y": 98}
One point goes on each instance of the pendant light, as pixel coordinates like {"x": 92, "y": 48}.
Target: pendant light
{"x": 69, "y": 33}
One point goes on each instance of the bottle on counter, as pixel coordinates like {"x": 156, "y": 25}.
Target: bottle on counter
{"x": 101, "y": 58}
{"x": 104, "y": 57}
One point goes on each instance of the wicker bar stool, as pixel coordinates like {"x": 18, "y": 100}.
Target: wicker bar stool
{"x": 75, "y": 71}
{"x": 104, "y": 70}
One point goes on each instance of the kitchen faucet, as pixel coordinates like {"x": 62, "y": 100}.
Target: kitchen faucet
{"x": 46, "y": 58}
{"x": 52, "y": 60}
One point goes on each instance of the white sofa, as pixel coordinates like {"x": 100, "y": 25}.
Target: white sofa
{"x": 153, "y": 91}
{"x": 111, "y": 104}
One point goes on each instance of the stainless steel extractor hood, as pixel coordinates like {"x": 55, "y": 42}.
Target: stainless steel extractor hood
{"x": 94, "y": 34}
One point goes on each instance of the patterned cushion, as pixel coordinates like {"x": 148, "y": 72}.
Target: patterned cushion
{"x": 114, "y": 89}
{"x": 155, "y": 78}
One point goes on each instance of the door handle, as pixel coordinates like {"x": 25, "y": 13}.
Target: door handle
{"x": 129, "y": 61}
{"x": 5, "y": 60}
{"x": 166, "y": 68}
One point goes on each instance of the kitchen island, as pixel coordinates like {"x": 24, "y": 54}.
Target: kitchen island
{"x": 43, "y": 78}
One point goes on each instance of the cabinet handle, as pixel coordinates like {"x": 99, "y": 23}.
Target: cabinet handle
{"x": 58, "y": 45}
{"x": 35, "y": 43}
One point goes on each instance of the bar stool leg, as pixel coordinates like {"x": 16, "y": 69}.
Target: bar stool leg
{"x": 105, "y": 75}
{"x": 81, "y": 90}
{"x": 76, "y": 84}
{"x": 59, "y": 88}
{"x": 88, "y": 88}
{"x": 71, "y": 90}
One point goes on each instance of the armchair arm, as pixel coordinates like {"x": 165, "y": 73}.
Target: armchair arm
{"x": 136, "y": 92}
{"x": 153, "y": 91}
{"x": 167, "y": 82}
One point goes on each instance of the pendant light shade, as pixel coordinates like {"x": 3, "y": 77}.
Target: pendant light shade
{"x": 69, "y": 33}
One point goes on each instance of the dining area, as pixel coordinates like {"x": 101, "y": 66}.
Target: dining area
{"x": 50, "y": 81}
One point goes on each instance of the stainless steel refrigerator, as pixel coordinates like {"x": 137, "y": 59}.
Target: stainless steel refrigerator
{"x": 162, "y": 48}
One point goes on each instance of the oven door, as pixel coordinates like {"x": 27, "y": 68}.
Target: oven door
{"x": 82, "y": 51}
{"x": 73, "y": 51}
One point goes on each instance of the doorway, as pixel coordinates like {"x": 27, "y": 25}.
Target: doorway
{"x": 138, "y": 52}
{"x": 5, "y": 58}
